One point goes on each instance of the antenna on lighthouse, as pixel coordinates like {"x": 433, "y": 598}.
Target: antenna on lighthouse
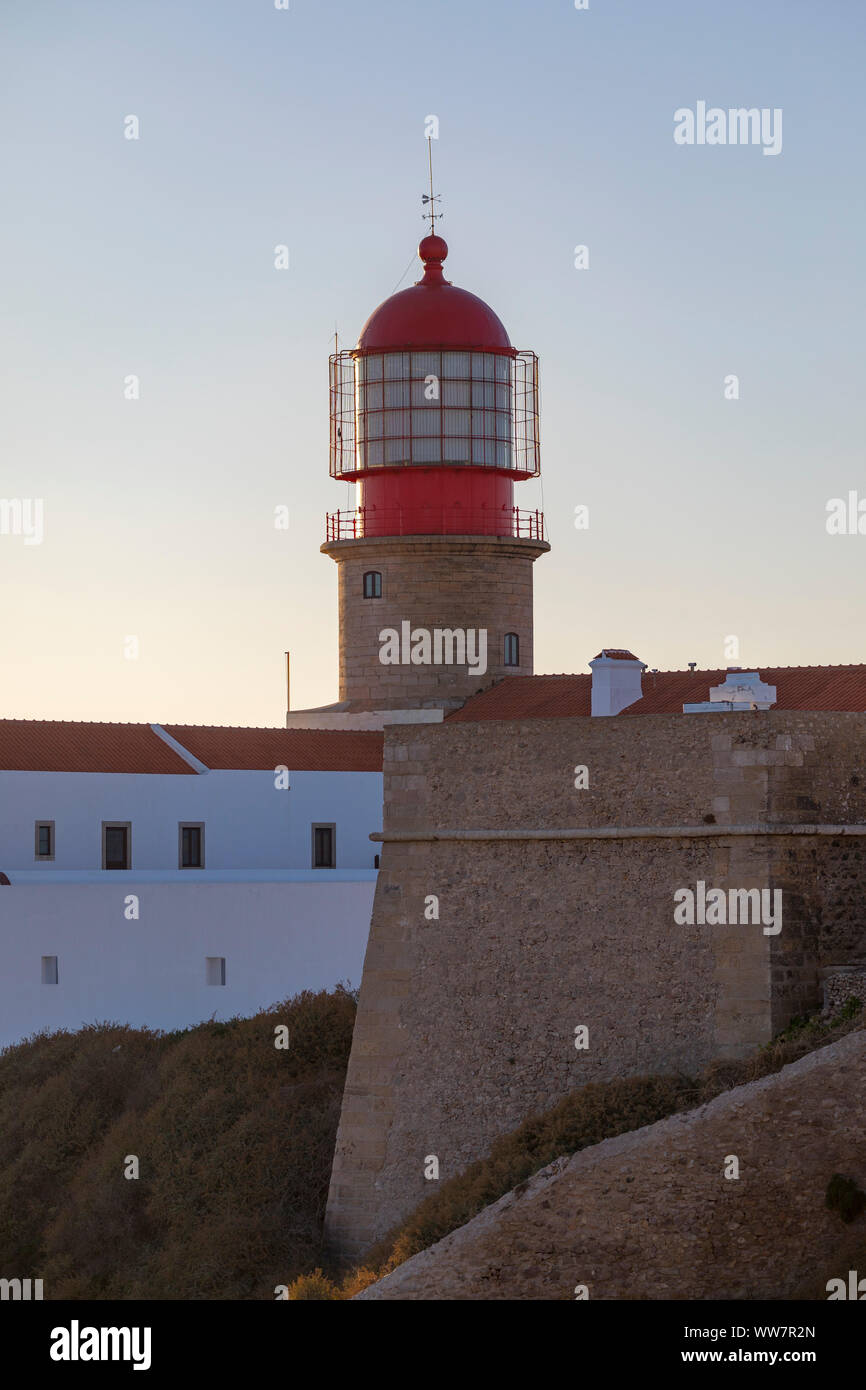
{"x": 431, "y": 198}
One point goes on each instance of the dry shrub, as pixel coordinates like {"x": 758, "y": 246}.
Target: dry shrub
{"x": 234, "y": 1138}
{"x": 313, "y": 1286}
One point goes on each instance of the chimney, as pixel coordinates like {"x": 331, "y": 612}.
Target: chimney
{"x": 616, "y": 680}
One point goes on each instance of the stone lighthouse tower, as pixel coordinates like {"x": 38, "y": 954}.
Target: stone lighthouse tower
{"x": 434, "y": 418}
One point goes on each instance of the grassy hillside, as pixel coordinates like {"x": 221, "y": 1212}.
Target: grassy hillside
{"x": 234, "y": 1140}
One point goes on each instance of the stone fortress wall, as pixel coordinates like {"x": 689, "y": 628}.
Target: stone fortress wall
{"x": 556, "y": 911}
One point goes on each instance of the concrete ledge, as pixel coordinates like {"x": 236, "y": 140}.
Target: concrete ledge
{"x": 618, "y": 832}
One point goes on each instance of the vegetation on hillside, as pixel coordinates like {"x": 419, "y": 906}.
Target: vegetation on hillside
{"x": 234, "y": 1140}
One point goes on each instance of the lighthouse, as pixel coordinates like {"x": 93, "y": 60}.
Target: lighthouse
{"x": 433, "y": 420}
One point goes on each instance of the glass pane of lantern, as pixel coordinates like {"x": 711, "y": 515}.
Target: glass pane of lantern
{"x": 455, "y": 392}
{"x": 371, "y": 456}
{"x": 396, "y": 423}
{"x": 396, "y": 366}
{"x": 370, "y": 368}
{"x": 426, "y": 450}
{"x": 397, "y": 393}
{"x": 426, "y": 364}
{"x": 456, "y": 422}
{"x": 396, "y": 451}
{"x": 455, "y": 365}
{"x": 425, "y": 423}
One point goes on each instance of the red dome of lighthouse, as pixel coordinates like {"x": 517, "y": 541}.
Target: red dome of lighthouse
{"x": 434, "y": 314}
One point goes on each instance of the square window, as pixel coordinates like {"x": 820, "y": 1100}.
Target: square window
{"x": 215, "y": 970}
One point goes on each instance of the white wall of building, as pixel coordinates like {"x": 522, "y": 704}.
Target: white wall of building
{"x": 276, "y": 937}
{"x": 249, "y": 824}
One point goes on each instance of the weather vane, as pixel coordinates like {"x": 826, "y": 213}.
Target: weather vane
{"x": 431, "y": 198}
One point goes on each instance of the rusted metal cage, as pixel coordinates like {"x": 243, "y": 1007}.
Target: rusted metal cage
{"x": 366, "y": 522}
{"x": 434, "y": 408}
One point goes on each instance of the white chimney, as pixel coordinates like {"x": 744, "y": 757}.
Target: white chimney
{"x": 616, "y": 680}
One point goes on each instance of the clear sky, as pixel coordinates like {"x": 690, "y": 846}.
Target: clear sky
{"x": 305, "y": 127}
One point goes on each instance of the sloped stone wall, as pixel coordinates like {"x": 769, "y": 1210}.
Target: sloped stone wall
{"x": 651, "y": 1215}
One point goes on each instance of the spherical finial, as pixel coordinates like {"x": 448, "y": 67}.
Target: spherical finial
{"x": 433, "y": 248}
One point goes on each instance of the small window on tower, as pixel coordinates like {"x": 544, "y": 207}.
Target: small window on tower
{"x": 512, "y": 649}
{"x": 372, "y": 584}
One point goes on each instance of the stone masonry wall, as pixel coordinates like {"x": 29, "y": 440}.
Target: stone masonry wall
{"x": 466, "y": 1024}
{"x": 650, "y": 1214}
{"x": 431, "y": 582}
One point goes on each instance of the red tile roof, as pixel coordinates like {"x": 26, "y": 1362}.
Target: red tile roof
{"x": 61, "y": 745}
{"x": 665, "y": 692}
{"x": 301, "y": 750}
{"x": 797, "y": 687}
{"x": 529, "y": 697}
{"x": 616, "y": 654}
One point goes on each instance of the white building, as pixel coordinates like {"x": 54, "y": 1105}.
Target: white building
{"x": 160, "y": 876}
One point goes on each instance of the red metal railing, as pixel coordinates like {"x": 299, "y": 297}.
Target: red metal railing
{"x": 434, "y": 521}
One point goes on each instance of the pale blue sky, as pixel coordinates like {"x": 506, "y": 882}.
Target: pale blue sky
{"x": 306, "y": 127}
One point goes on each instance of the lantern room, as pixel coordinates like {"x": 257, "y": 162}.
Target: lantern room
{"x": 434, "y": 415}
